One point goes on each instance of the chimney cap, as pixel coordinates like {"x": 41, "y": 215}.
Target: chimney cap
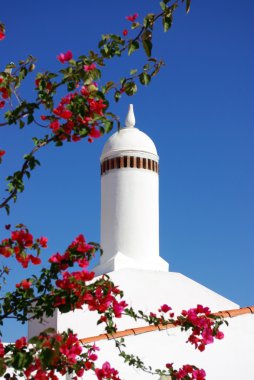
{"x": 129, "y": 140}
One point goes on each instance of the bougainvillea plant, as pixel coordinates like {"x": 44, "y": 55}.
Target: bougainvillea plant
{"x": 66, "y": 283}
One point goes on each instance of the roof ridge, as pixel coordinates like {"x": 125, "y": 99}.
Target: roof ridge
{"x": 141, "y": 330}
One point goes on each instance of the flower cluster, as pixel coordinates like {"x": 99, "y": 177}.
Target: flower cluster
{"x": 74, "y": 117}
{"x": 21, "y": 343}
{"x": 79, "y": 251}
{"x": 74, "y": 288}
{"x": 51, "y": 353}
{"x": 4, "y": 92}
{"x": 46, "y": 84}
{"x": 204, "y": 327}
{"x": 66, "y": 353}
{"x": 187, "y": 372}
{"x": 20, "y": 241}
{"x": 100, "y": 297}
{"x": 106, "y": 372}
{"x": 24, "y": 284}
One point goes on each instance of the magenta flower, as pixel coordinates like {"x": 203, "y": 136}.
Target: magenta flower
{"x": 132, "y": 18}
{"x": 65, "y": 57}
{"x": 90, "y": 67}
{"x": 165, "y": 308}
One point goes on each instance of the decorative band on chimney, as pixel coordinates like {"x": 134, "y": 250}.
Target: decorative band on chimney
{"x": 129, "y": 162}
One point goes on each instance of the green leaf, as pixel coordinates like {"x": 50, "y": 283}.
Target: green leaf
{"x": 108, "y": 125}
{"x": 2, "y": 367}
{"x": 149, "y": 20}
{"x": 147, "y": 42}
{"x": 152, "y": 60}
{"x": 145, "y": 79}
{"x": 133, "y": 45}
{"x": 108, "y": 86}
{"x": 188, "y": 3}
{"x": 163, "y": 5}
{"x": 130, "y": 88}
{"x": 117, "y": 96}
{"x": 7, "y": 209}
{"x": 31, "y": 67}
{"x": 167, "y": 22}
{"x": 18, "y": 360}
{"x": 47, "y": 356}
{"x": 135, "y": 25}
{"x": 30, "y": 119}
{"x": 35, "y": 140}
{"x": 21, "y": 124}
{"x": 147, "y": 45}
{"x": 134, "y": 71}
{"x": 71, "y": 86}
{"x": 11, "y": 66}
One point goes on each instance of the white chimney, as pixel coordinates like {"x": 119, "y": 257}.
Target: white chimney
{"x": 130, "y": 201}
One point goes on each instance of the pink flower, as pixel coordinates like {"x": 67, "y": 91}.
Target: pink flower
{"x": 66, "y": 114}
{"x": 80, "y": 372}
{"x": 43, "y": 242}
{"x": 75, "y": 138}
{"x": 219, "y": 335}
{"x": 23, "y": 237}
{"x": 5, "y": 94}
{"x": 94, "y": 133}
{"x": 118, "y": 308}
{"x": 20, "y": 343}
{"x": 35, "y": 260}
{"x": 2, "y": 153}
{"x": 93, "y": 357}
{"x": 2, "y": 104}
{"x": 199, "y": 374}
{"x": 65, "y": 57}
{"x": 90, "y": 67}
{"x": 97, "y": 106}
{"x": 2, "y": 350}
{"x": 55, "y": 125}
{"x": 125, "y": 32}
{"x": 106, "y": 372}
{"x": 24, "y": 284}
{"x": 132, "y": 18}
{"x": 165, "y": 308}
{"x": 2, "y": 31}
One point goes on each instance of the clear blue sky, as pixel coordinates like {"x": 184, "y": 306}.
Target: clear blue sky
{"x": 198, "y": 111}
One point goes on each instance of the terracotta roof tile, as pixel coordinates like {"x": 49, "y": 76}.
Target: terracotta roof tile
{"x": 141, "y": 330}
{"x": 251, "y": 308}
{"x": 120, "y": 334}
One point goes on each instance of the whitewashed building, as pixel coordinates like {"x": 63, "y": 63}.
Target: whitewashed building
{"x": 130, "y": 239}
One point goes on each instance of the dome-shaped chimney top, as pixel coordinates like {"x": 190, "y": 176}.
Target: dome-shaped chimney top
{"x": 129, "y": 140}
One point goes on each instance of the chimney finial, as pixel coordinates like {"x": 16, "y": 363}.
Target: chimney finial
{"x": 130, "y": 118}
